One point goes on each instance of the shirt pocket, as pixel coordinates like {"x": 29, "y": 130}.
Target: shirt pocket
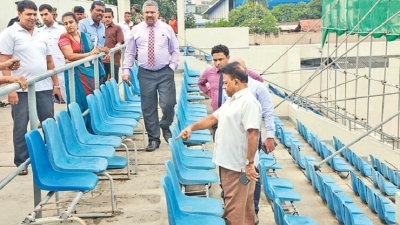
{"x": 161, "y": 40}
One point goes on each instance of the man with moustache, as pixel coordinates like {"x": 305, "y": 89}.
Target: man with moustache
{"x": 25, "y": 41}
{"x": 156, "y": 71}
{"x": 53, "y": 32}
{"x": 93, "y": 26}
{"x": 114, "y": 38}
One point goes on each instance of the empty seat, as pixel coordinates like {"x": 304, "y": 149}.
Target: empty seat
{"x": 286, "y": 219}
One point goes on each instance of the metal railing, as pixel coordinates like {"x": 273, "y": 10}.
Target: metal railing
{"x": 32, "y": 103}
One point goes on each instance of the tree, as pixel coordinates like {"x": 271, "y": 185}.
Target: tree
{"x": 284, "y": 13}
{"x": 315, "y": 8}
{"x": 244, "y": 12}
{"x": 219, "y": 23}
{"x": 190, "y": 21}
{"x": 267, "y": 24}
{"x": 302, "y": 11}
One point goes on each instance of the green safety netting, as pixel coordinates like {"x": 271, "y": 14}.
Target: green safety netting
{"x": 345, "y": 15}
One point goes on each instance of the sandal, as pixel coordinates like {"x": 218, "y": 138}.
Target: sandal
{"x": 23, "y": 173}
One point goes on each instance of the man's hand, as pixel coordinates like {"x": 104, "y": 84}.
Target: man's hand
{"x": 185, "y": 134}
{"x": 104, "y": 49}
{"x": 127, "y": 78}
{"x": 251, "y": 172}
{"x": 13, "y": 98}
{"x": 23, "y": 83}
{"x": 269, "y": 144}
{"x": 57, "y": 91}
{"x": 106, "y": 57}
{"x": 10, "y": 64}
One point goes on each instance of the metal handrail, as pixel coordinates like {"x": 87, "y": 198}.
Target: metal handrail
{"x": 32, "y": 103}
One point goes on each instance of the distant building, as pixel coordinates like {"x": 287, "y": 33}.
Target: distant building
{"x": 200, "y": 9}
{"x": 220, "y": 9}
{"x": 190, "y": 8}
{"x": 200, "y": 22}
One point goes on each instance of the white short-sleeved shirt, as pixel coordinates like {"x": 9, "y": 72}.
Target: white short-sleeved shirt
{"x": 53, "y": 34}
{"x": 32, "y": 50}
{"x": 126, "y": 29}
{"x": 240, "y": 113}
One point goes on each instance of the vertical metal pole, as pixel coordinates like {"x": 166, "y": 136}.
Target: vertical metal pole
{"x": 37, "y": 195}
{"x": 345, "y": 83}
{"x": 71, "y": 77}
{"x": 398, "y": 108}
{"x": 336, "y": 45}
{"x": 123, "y": 53}
{"x": 112, "y": 64}
{"x": 369, "y": 81}
{"x": 384, "y": 87}
{"x": 96, "y": 73}
{"x": 327, "y": 80}
{"x": 356, "y": 83}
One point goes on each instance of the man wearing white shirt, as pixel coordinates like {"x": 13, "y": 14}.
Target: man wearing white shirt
{"x": 236, "y": 141}
{"x": 26, "y": 42}
{"x": 53, "y": 32}
{"x": 126, "y": 26}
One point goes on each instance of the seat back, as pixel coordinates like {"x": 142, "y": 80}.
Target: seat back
{"x": 320, "y": 186}
{"x": 381, "y": 182}
{"x": 278, "y": 212}
{"x": 373, "y": 162}
{"x": 392, "y": 176}
{"x": 375, "y": 178}
{"x": 378, "y": 165}
{"x": 77, "y": 120}
{"x": 114, "y": 88}
{"x": 67, "y": 131}
{"x": 362, "y": 190}
{"x": 176, "y": 157}
{"x": 309, "y": 171}
{"x": 94, "y": 110}
{"x": 336, "y": 143}
{"x": 134, "y": 78}
{"x": 171, "y": 173}
{"x": 264, "y": 181}
{"x": 128, "y": 92}
{"x": 380, "y": 207}
{"x": 348, "y": 217}
{"x": 329, "y": 196}
{"x": 40, "y": 161}
{"x": 371, "y": 198}
{"x": 172, "y": 204}
{"x": 354, "y": 183}
{"x": 58, "y": 155}
{"x": 339, "y": 209}
{"x": 384, "y": 171}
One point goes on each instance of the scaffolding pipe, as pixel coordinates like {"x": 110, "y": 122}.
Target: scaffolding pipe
{"x": 327, "y": 73}
{"x": 333, "y": 87}
{"x": 345, "y": 82}
{"x": 398, "y": 108}
{"x": 336, "y": 52}
{"x": 318, "y": 73}
{"x": 384, "y": 87}
{"x": 353, "y": 98}
{"x": 316, "y": 166}
{"x": 369, "y": 76}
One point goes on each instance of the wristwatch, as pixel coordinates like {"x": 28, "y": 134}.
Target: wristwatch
{"x": 249, "y": 162}
{"x": 57, "y": 87}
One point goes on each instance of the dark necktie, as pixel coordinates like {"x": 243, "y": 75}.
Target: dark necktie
{"x": 151, "y": 47}
{"x": 220, "y": 90}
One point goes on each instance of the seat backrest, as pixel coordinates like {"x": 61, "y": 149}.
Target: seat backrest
{"x": 329, "y": 196}
{"x": 392, "y": 176}
{"x": 77, "y": 120}
{"x": 348, "y": 217}
{"x": 134, "y": 78}
{"x": 172, "y": 204}
{"x": 371, "y": 198}
{"x": 339, "y": 209}
{"x": 354, "y": 183}
{"x": 264, "y": 180}
{"x": 278, "y": 212}
{"x": 58, "y": 155}
{"x": 67, "y": 131}
{"x": 94, "y": 111}
{"x": 384, "y": 171}
{"x": 381, "y": 182}
{"x": 335, "y": 143}
{"x": 101, "y": 105}
{"x": 308, "y": 170}
{"x": 375, "y": 178}
{"x": 362, "y": 190}
{"x": 378, "y": 165}
{"x": 380, "y": 207}
{"x": 320, "y": 185}
{"x": 373, "y": 163}
{"x": 176, "y": 156}
{"x": 171, "y": 173}
{"x": 40, "y": 161}
{"x": 127, "y": 92}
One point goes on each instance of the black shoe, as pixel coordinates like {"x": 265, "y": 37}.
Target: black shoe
{"x": 153, "y": 145}
{"x": 167, "y": 134}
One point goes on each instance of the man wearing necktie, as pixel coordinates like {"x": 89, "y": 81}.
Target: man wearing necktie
{"x": 158, "y": 56}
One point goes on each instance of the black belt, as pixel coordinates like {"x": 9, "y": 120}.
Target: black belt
{"x": 155, "y": 70}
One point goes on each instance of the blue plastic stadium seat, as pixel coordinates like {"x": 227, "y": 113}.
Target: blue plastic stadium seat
{"x": 355, "y": 219}
{"x": 386, "y": 212}
{"x": 286, "y": 219}
{"x": 177, "y": 216}
{"x": 189, "y": 162}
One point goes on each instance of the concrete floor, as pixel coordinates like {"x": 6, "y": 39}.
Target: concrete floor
{"x": 141, "y": 200}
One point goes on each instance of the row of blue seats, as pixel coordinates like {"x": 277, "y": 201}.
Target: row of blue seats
{"x": 386, "y": 171}
{"x": 191, "y": 165}
{"x": 375, "y": 201}
{"x": 367, "y": 194}
{"x": 71, "y": 155}
{"x": 286, "y": 96}
{"x": 337, "y": 201}
{"x": 353, "y": 158}
{"x": 378, "y": 179}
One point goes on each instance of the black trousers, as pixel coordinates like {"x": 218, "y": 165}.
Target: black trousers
{"x": 157, "y": 87}
{"x": 20, "y": 115}
{"x": 107, "y": 69}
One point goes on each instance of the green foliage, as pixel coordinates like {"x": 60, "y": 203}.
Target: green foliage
{"x": 267, "y": 24}
{"x": 219, "y": 23}
{"x": 167, "y": 8}
{"x": 284, "y": 13}
{"x": 247, "y": 11}
{"x": 190, "y": 21}
{"x": 315, "y": 7}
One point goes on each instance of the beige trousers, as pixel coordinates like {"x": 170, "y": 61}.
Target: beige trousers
{"x": 239, "y": 199}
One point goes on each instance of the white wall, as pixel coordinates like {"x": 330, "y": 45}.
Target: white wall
{"x": 206, "y": 38}
{"x": 8, "y": 9}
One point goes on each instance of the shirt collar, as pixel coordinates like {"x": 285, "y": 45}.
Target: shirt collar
{"x": 20, "y": 28}
{"x": 240, "y": 93}
{"x": 155, "y": 24}
{"x": 55, "y": 24}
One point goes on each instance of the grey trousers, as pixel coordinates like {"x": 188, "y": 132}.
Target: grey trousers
{"x": 20, "y": 115}
{"x": 151, "y": 82}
